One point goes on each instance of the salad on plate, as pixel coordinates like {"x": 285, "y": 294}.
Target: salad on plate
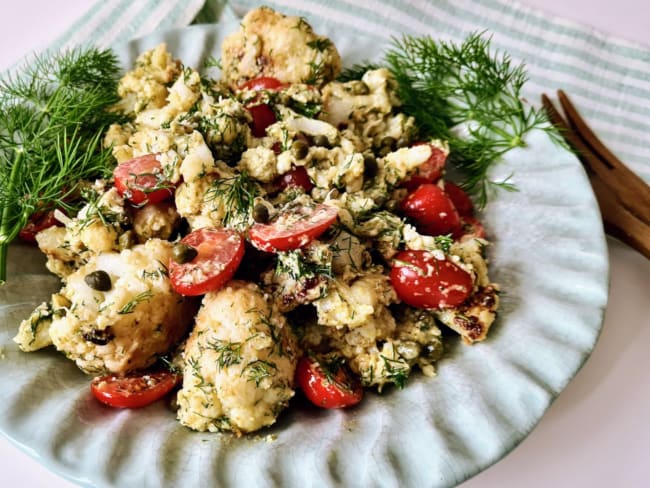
{"x": 286, "y": 226}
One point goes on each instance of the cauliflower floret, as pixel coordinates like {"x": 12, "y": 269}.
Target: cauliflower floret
{"x": 473, "y": 319}
{"x": 146, "y": 86}
{"x": 124, "y": 327}
{"x": 239, "y": 362}
{"x": 286, "y": 48}
{"x": 260, "y": 163}
{"x": 354, "y": 100}
{"x": 225, "y": 124}
{"x": 352, "y": 305}
{"x": 96, "y": 228}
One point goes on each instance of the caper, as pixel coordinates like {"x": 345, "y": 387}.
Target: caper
{"x": 98, "y": 280}
{"x": 260, "y": 213}
{"x": 99, "y": 337}
{"x": 299, "y": 149}
{"x": 183, "y": 253}
{"x": 321, "y": 140}
{"x": 370, "y": 167}
{"x": 384, "y": 150}
{"x": 359, "y": 88}
{"x": 388, "y": 142}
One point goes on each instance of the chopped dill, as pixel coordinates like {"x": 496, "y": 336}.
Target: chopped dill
{"x": 444, "y": 242}
{"x": 236, "y": 195}
{"x": 258, "y": 370}
{"x": 139, "y": 298}
{"x": 229, "y": 353}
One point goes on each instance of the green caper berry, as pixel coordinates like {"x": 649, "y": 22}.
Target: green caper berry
{"x": 299, "y": 149}
{"x": 321, "y": 140}
{"x": 370, "y": 167}
{"x": 359, "y": 88}
{"x": 98, "y": 280}
{"x": 183, "y": 253}
{"x": 384, "y": 150}
{"x": 99, "y": 337}
{"x": 388, "y": 142}
{"x": 260, "y": 213}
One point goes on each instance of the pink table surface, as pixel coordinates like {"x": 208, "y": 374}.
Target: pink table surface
{"x": 596, "y": 434}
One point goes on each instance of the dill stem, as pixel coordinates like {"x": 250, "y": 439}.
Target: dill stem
{"x": 7, "y": 234}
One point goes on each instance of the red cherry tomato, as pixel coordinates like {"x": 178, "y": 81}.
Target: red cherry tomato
{"x": 293, "y": 229}
{"x": 422, "y": 280}
{"x": 430, "y": 171}
{"x": 296, "y": 176}
{"x": 219, "y": 253}
{"x": 134, "y": 390}
{"x": 263, "y": 116}
{"x": 37, "y": 222}
{"x": 432, "y": 211}
{"x": 471, "y": 228}
{"x": 328, "y": 386}
{"x": 142, "y": 180}
{"x": 460, "y": 199}
{"x": 263, "y": 83}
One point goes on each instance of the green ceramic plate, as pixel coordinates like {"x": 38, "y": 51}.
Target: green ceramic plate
{"x": 549, "y": 256}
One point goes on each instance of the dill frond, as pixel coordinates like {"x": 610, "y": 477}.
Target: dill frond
{"x": 54, "y": 112}
{"x": 446, "y": 85}
{"x": 236, "y": 195}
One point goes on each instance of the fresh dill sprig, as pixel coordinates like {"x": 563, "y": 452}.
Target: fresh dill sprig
{"x": 443, "y": 84}
{"x": 54, "y": 112}
{"x": 236, "y": 195}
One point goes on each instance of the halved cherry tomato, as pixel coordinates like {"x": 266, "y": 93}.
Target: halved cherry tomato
{"x": 460, "y": 199}
{"x": 328, "y": 386}
{"x": 141, "y": 180}
{"x": 263, "y": 83}
{"x": 471, "y": 228}
{"x": 422, "y": 280}
{"x": 296, "y": 176}
{"x": 294, "y": 228}
{"x": 430, "y": 171}
{"x": 432, "y": 211}
{"x": 37, "y": 222}
{"x": 263, "y": 116}
{"x": 219, "y": 252}
{"x": 134, "y": 390}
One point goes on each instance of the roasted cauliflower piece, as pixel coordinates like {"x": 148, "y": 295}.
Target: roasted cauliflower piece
{"x": 283, "y": 47}
{"x": 239, "y": 362}
{"x": 122, "y": 311}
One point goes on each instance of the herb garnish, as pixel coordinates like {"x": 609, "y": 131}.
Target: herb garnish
{"x": 236, "y": 195}
{"x": 54, "y": 112}
{"x": 443, "y": 84}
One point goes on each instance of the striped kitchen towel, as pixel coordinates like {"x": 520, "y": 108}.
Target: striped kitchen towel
{"x": 607, "y": 78}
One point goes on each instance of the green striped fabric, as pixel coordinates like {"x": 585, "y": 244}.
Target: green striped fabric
{"x": 608, "y": 78}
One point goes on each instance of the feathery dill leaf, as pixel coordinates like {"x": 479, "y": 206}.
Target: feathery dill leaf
{"x": 54, "y": 112}
{"x": 443, "y": 84}
{"x": 236, "y": 195}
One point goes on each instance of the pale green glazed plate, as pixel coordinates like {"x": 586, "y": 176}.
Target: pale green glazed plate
{"x": 548, "y": 254}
